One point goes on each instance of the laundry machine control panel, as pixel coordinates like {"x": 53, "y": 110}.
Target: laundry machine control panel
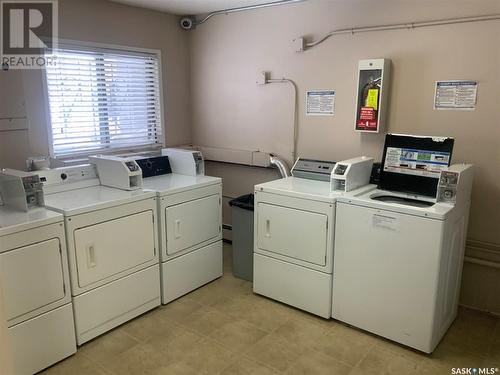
{"x": 447, "y": 189}
{"x": 313, "y": 169}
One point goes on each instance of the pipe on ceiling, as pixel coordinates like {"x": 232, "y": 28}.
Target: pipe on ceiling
{"x": 400, "y": 26}
{"x": 190, "y": 22}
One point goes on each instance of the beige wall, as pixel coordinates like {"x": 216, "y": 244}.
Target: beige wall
{"x": 103, "y": 22}
{"x": 231, "y": 111}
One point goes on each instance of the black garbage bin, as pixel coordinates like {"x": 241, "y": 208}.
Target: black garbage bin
{"x": 242, "y": 234}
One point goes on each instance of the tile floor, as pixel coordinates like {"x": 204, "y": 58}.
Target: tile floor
{"x": 223, "y": 328}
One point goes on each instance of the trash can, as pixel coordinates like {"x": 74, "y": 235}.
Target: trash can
{"x": 242, "y": 234}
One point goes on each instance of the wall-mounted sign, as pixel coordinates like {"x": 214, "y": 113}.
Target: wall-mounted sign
{"x": 320, "y": 102}
{"x": 455, "y": 95}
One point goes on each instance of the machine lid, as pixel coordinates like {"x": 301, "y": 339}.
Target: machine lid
{"x": 175, "y": 183}
{"x": 412, "y": 164}
{"x": 73, "y": 202}
{"x": 307, "y": 189}
{"x": 400, "y": 203}
{"x": 12, "y": 221}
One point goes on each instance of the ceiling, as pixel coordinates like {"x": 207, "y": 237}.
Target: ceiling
{"x": 191, "y": 7}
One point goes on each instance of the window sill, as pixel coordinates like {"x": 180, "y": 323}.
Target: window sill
{"x": 67, "y": 161}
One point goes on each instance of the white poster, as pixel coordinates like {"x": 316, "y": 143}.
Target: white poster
{"x": 455, "y": 95}
{"x": 320, "y": 102}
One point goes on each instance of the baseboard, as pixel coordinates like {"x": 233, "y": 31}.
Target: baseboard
{"x": 492, "y": 313}
{"x": 483, "y": 250}
{"x": 481, "y": 277}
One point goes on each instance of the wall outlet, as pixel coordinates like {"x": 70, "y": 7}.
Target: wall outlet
{"x": 262, "y": 78}
{"x": 299, "y": 44}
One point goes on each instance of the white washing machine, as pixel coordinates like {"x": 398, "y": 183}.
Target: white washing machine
{"x": 398, "y": 256}
{"x": 36, "y": 292}
{"x": 190, "y": 230}
{"x": 293, "y": 241}
{"x": 112, "y": 245}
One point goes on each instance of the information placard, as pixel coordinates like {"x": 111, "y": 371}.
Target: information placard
{"x": 320, "y": 102}
{"x": 460, "y": 95}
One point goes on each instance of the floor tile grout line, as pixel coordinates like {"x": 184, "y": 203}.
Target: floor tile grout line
{"x": 95, "y": 362}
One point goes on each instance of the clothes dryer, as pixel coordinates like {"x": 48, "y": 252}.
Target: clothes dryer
{"x": 36, "y": 288}
{"x": 293, "y": 242}
{"x": 189, "y": 226}
{"x": 112, "y": 246}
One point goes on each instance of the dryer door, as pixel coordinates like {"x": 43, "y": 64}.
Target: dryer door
{"x": 192, "y": 223}
{"x": 292, "y": 232}
{"x": 32, "y": 277}
{"x": 114, "y": 246}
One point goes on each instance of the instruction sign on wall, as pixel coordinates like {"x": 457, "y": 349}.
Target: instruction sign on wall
{"x": 320, "y": 102}
{"x": 455, "y": 95}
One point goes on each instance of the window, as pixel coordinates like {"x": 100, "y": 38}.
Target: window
{"x": 103, "y": 100}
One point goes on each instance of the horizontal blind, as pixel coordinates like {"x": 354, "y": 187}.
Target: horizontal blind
{"x": 103, "y": 100}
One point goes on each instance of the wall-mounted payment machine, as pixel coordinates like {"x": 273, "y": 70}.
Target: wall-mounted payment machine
{"x": 313, "y": 169}
{"x": 21, "y": 190}
{"x": 351, "y": 174}
{"x": 187, "y": 162}
{"x": 118, "y": 172}
{"x": 373, "y": 77}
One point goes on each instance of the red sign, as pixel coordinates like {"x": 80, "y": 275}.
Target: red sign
{"x": 367, "y": 119}
{"x": 367, "y": 113}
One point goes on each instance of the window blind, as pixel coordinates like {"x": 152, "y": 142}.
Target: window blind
{"x": 103, "y": 100}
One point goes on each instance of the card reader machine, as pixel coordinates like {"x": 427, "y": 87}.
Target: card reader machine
{"x": 21, "y": 190}
{"x": 118, "y": 172}
{"x": 455, "y": 183}
{"x": 351, "y": 174}
{"x": 187, "y": 162}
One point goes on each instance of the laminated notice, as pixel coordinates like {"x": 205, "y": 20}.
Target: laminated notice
{"x": 385, "y": 222}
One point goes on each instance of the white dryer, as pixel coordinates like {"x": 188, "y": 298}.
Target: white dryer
{"x": 36, "y": 293}
{"x": 190, "y": 229}
{"x": 112, "y": 245}
{"x": 293, "y": 242}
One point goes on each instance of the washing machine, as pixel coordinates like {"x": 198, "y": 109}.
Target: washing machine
{"x": 294, "y": 221}
{"x": 189, "y": 224}
{"x": 399, "y": 253}
{"x": 35, "y": 283}
{"x": 112, "y": 247}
